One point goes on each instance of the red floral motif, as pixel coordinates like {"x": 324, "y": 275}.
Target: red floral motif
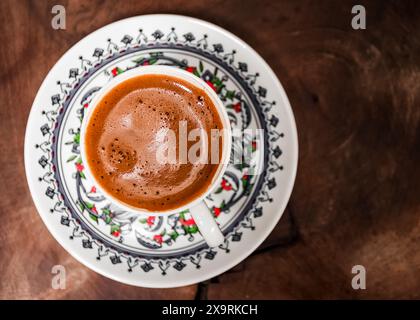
{"x": 245, "y": 180}
{"x": 188, "y": 222}
{"x": 114, "y": 71}
{"x": 190, "y": 69}
{"x": 211, "y": 85}
{"x": 216, "y": 211}
{"x": 79, "y": 167}
{"x": 145, "y": 63}
{"x": 226, "y": 185}
{"x": 93, "y": 209}
{"x": 158, "y": 238}
{"x": 116, "y": 233}
{"x": 93, "y": 189}
{"x": 237, "y": 107}
{"x": 254, "y": 145}
{"x": 86, "y": 105}
{"x": 150, "y": 220}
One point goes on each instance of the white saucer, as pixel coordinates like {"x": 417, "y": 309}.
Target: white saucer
{"x": 141, "y": 250}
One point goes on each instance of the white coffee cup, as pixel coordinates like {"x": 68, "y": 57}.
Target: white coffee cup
{"x": 197, "y": 207}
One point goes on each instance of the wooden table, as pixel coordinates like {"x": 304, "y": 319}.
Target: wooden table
{"x": 356, "y": 98}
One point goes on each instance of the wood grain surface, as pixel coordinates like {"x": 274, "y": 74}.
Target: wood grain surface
{"x": 355, "y": 95}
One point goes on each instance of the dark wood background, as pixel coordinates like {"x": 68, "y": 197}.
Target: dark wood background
{"x": 355, "y": 95}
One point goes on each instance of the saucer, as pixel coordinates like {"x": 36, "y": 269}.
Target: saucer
{"x": 156, "y": 251}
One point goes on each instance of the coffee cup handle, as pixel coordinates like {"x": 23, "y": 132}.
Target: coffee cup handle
{"x": 207, "y": 224}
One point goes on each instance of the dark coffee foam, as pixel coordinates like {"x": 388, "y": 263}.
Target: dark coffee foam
{"x": 121, "y": 141}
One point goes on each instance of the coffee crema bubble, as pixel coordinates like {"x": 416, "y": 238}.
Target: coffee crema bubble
{"x": 124, "y": 135}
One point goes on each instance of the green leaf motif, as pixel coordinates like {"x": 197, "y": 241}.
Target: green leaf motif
{"x": 138, "y": 60}
{"x": 219, "y": 190}
{"x": 108, "y": 219}
{"x": 216, "y": 81}
{"x": 76, "y": 138}
{"x": 230, "y": 94}
{"x": 71, "y": 158}
{"x": 244, "y": 183}
{"x": 200, "y": 66}
{"x": 241, "y": 166}
{"x": 89, "y": 205}
{"x": 153, "y": 61}
{"x": 174, "y": 235}
{"x": 93, "y": 217}
{"x": 115, "y": 227}
{"x": 192, "y": 229}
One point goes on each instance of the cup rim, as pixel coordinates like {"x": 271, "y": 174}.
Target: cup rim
{"x": 174, "y": 72}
